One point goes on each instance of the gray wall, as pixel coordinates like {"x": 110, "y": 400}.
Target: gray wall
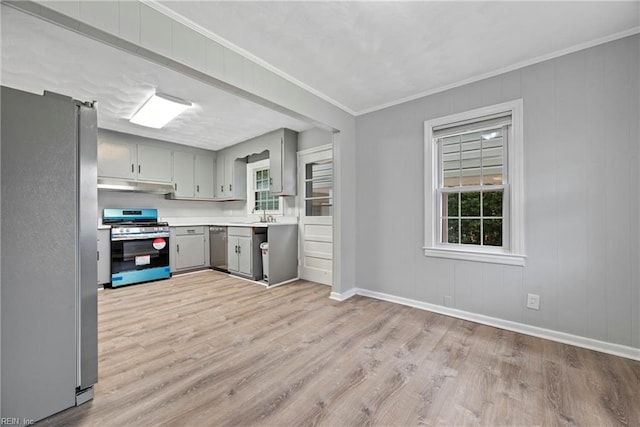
{"x": 581, "y": 198}
{"x": 166, "y": 208}
{"x": 312, "y": 138}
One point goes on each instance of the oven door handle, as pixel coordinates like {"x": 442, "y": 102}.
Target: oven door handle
{"x": 124, "y": 237}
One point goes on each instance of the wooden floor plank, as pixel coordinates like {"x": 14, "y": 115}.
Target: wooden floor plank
{"x": 210, "y": 349}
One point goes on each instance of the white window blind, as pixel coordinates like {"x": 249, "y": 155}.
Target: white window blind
{"x": 471, "y": 125}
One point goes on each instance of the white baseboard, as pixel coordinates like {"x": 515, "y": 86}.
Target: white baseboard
{"x": 562, "y": 337}
{"x": 342, "y": 296}
{"x": 281, "y": 283}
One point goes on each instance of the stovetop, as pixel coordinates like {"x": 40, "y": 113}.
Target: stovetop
{"x": 137, "y": 231}
{"x": 132, "y": 217}
{"x": 132, "y": 224}
{"x": 139, "y": 224}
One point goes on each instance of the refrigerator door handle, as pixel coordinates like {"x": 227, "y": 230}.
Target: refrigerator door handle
{"x": 87, "y": 205}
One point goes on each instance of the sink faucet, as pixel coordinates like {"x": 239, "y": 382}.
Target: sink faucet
{"x": 263, "y": 218}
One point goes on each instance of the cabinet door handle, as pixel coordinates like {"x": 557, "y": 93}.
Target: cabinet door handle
{"x": 139, "y": 168}
{"x": 230, "y": 187}
{"x": 191, "y": 231}
{"x": 98, "y": 255}
{"x": 198, "y": 188}
{"x": 178, "y": 248}
{"x": 132, "y": 168}
{"x": 175, "y": 186}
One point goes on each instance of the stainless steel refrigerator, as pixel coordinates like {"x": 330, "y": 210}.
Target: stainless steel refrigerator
{"x": 48, "y": 251}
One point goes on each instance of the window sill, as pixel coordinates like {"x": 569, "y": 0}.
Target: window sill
{"x": 466, "y": 255}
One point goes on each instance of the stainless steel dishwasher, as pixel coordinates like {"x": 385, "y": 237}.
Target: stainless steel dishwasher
{"x": 218, "y": 248}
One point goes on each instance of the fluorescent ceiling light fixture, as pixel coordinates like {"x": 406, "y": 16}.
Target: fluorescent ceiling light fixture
{"x": 159, "y": 110}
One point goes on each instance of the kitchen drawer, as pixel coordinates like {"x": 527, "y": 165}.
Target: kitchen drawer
{"x": 189, "y": 231}
{"x": 239, "y": 231}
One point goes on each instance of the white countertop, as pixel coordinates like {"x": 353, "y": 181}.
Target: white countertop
{"x": 226, "y": 222}
{"x": 223, "y": 222}
{"x": 229, "y": 224}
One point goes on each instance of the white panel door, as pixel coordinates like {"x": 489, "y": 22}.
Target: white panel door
{"x": 315, "y": 204}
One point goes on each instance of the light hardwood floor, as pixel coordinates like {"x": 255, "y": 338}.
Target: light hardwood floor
{"x": 207, "y": 349}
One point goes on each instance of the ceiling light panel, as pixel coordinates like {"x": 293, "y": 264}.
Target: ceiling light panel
{"x": 159, "y": 110}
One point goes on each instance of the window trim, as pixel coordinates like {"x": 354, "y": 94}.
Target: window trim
{"x": 252, "y": 168}
{"x": 515, "y": 255}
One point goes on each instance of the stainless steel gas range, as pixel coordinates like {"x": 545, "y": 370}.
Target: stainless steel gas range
{"x": 139, "y": 246}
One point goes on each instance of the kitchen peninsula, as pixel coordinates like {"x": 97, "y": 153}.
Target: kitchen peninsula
{"x": 190, "y": 247}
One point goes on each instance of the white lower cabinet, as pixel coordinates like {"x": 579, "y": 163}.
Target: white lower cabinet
{"x": 189, "y": 248}
{"x": 283, "y": 253}
{"x": 243, "y": 245}
{"x": 239, "y": 255}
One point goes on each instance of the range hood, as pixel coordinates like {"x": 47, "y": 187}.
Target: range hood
{"x": 134, "y": 186}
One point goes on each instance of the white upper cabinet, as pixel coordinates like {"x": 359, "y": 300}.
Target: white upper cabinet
{"x": 235, "y": 173}
{"x": 231, "y": 177}
{"x": 283, "y": 163}
{"x": 204, "y": 176}
{"x": 199, "y": 176}
{"x": 154, "y": 164}
{"x": 183, "y": 176}
{"x": 219, "y": 190}
{"x": 193, "y": 176}
{"x": 116, "y": 160}
{"x": 133, "y": 161}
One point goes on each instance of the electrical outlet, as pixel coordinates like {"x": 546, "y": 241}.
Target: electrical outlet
{"x": 533, "y": 301}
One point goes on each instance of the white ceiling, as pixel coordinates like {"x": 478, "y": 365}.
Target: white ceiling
{"x": 360, "y": 55}
{"x": 365, "y": 54}
{"x": 38, "y": 56}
